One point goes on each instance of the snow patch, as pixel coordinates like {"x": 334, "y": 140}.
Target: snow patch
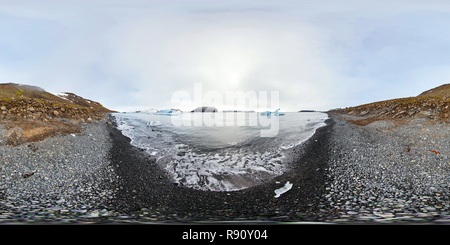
{"x": 62, "y": 95}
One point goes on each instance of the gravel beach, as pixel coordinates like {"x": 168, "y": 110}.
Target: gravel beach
{"x": 387, "y": 173}
{"x": 344, "y": 174}
{"x": 58, "y": 179}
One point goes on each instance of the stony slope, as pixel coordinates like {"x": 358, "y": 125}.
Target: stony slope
{"x": 29, "y": 113}
{"x": 433, "y": 104}
{"x": 78, "y": 100}
{"x": 30, "y": 102}
{"x": 12, "y": 91}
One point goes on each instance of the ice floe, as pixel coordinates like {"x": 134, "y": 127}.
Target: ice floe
{"x": 283, "y": 189}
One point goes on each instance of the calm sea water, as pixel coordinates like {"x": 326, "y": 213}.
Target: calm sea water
{"x": 224, "y": 157}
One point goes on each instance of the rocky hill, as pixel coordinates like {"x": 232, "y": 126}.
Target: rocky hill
{"x": 29, "y": 113}
{"x": 78, "y": 100}
{"x": 24, "y": 101}
{"x": 433, "y": 104}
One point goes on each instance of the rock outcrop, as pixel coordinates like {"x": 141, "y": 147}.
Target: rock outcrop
{"x": 37, "y": 109}
{"x": 31, "y": 102}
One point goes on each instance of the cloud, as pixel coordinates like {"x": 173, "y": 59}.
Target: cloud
{"x": 225, "y": 53}
{"x": 136, "y": 54}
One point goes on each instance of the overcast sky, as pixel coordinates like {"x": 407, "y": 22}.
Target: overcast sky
{"x": 132, "y": 55}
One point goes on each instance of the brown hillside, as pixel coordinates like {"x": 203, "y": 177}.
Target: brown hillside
{"x": 12, "y": 90}
{"x": 433, "y": 104}
{"x": 29, "y": 113}
{"x": 19, "y": 91}
{"x": 438, "y": 92}
{"x": 78, "y": 100}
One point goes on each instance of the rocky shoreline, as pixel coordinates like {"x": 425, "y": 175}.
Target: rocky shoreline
{"x": 60, "y": 179}
{"x": 385, "y": 172}
{"x": 97, "y": 176}
{"x": 150, "y": 195}
{"x": 344, "y": 174}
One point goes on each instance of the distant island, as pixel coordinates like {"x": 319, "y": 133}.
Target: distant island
{"x": 238, "y": 111}
{"x": 205, "y": 109}
{"x": 307, "y": 111}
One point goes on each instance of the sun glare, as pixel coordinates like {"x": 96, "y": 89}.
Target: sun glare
{"x": 228, "y": 66}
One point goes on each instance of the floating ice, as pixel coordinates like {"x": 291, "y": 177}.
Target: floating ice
{"x": 283, "y": 189}
{"x": 154, "y": 123}
{"x": 151, "y": 111}
{"x": 276, "y": 112}
{"x": 171, "y": 112}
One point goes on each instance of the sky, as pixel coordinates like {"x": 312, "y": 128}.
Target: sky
{"x": 138, "y": 55}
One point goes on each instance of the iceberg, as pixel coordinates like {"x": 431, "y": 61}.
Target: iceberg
{"x": 171, "y": 112}
{"x": 283, "y": 189}
{"x": 154, "y": 123}
{"x": 151, "y": 111}
{"x": 276, "y": 112}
